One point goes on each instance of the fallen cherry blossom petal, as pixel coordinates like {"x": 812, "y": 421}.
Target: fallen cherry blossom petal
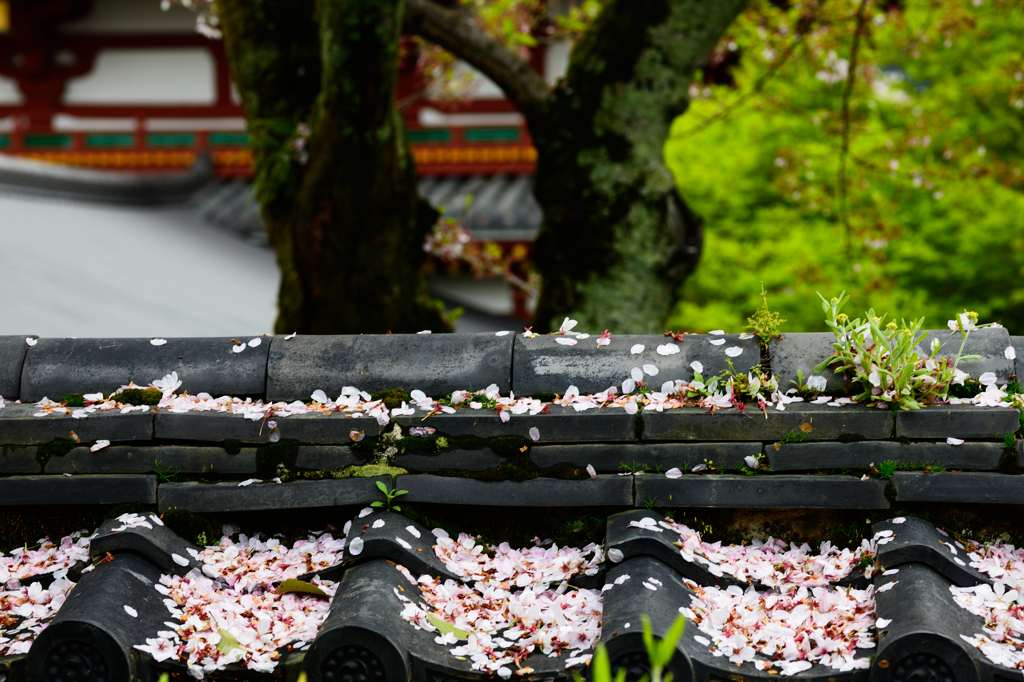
{"x": 674, "y": 472}
{"x": 591, "y": 471}
{"x": 291, "y": 336}
{"x": 238, "y": 349}
{"x": 178, "y": 559}
{"x": 30, "y": 341}
{"x": 668, "y": 349}
{"x": 130, "y": 611}
{"x": 154, "y": 342}
{"x": 565, "y": 341}
{"x": 651, "y": 370}
{"x": 1010, "y": 353}
{"x": 955, "y": 441}
{"x": 99, "y": 445}
{"x": 716, "y": 342}
{"x": 355, "y": 547}
{"x": 502, "y": 333}
{"x": 636, "y": 349}
{"x": 534, "y": 433}
{"x": 733, "y": 351}
{"x": 697, "y": 367}
{"x": 899, "y": 519}
{"x": 615, "y": 555}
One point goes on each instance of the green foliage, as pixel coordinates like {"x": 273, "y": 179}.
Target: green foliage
{"x": 765, "y": 323}
{"x": 164, "y": 474}
{"x": 370, "y": 471}
{"x": 138, "y": 396}
{"x": 934, "y": 179}
{"x": 659, "y": 655}
{"x": 58, "y": 447}
{"x": 632, "y": 467}
{"x": 389, "y": 497}
{"x": 885, "y": 360}
{"x": 73, "y": 400}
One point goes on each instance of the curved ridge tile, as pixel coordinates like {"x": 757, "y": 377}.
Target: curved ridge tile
{"x": 365, "y": 629}
{"x": 626, "y": 599}
{"x": 167, "y": 550}
{"x": 918, "y": 541}
{"x": 380, "y": 533}
{"x": 922, "y": 641}
{"x": 639, "y": 542}
{"x": 93, "y": 635}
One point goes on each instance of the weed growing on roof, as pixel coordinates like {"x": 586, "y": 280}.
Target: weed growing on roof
{"x": 392, "y": 398}
{"x": 765, "y": 323}
{"x": 58, "y": 447}
{"x": 885, "y": 360}
{"x": 164, "y": 474}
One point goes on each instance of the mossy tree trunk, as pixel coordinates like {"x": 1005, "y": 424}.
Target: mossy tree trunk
{"x": 617, "y": 239}
{"x": 334, "y": 174}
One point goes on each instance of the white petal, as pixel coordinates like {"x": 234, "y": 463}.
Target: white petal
{"x": 987, "y": 379}
{"x": 696, "y": 366}
{"x": 615, "y": 555}
{"x": 319, "y": 396}
{"x": 1010, "y": 353}
{"x": 425, "y": 331}
{"x": 255, "y": 342}
{"x": 637, "y": 348}
{"x": 882, "y": 623}
{"x": 717, "y": 332}
{"x": 591, "y": 471}
{"x": 502, "y": 333}
{"x": 155, "y": 342}
{"x": 651, "y": 370}
{"x": 899, "y": 519}
{"x": 534, "y": 433}
{"x": 668, "y": 349}
{"x": 180, "y": 560}
{"x": 238, "y": 349}
{"x": 636, "y": 374}
{"x": 355, "y": 547}
{"x": 955, "y": 441}
{"x": 674, "y": 472}
{"x": 565, "y": 341}
{"x": 130, "y": 611}
{"x": 379, "y": 523}
{"x": 733, "y": 351}
{"x": 291, "y": 336}
{"x": 100, "y": 444}
{"x": 30, "y": 341}
{"x": 886, "y": 587}
{"x": 716, "y": 342}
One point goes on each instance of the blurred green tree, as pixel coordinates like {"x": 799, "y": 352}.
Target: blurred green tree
{"x": 894, "y": 174}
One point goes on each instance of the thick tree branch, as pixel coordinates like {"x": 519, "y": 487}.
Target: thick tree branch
{"x": 456, "y": 31}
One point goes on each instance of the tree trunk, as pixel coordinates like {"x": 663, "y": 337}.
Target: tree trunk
{"x": 334, "y": 174}
{"x": 617, "y": 239}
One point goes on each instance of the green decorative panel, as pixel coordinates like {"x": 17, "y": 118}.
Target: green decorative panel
{"x": 428, "y": 135}
{"x": 228, "y": 139}
{"x": 491, "y": 134}
{"x": 34, "y": 141}
{"x": 125, "y": 140}
{"x": 171, "y": 140}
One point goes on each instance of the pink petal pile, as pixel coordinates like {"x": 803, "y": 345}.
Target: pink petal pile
{"x": 26, "y": 610}
{"x": 788, "y": 629}
{"x": 232, "y": 611}
{"x": 544, "y": 615}
{"x": 771, "y": 563}
{"x": 1001, "y": 605}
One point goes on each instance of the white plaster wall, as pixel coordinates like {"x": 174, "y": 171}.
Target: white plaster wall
{"x": 133, "y": 16}
{"x": 147, "y": 76}
{"x": 9, "y": 92}
{"x": 556, "y": 60}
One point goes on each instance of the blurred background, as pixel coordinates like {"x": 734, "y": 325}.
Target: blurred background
{"x": 878, "y": 152}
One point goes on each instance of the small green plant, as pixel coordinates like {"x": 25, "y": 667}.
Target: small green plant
{"x": 1009, "y": 441}
{"x": 659, "y": 656}
{"x": 885, "y": 360}
{"x": 202, "y": 540}
{"x": 389, "y": 495}
{"x": 164, "y": 475}
{"x": 765, "y": 323}
{"x": 650, "y": 503}
{"x": 632, "y": 468}
{"x": 441, "y": 443}
{"x": 793, "y": 437}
